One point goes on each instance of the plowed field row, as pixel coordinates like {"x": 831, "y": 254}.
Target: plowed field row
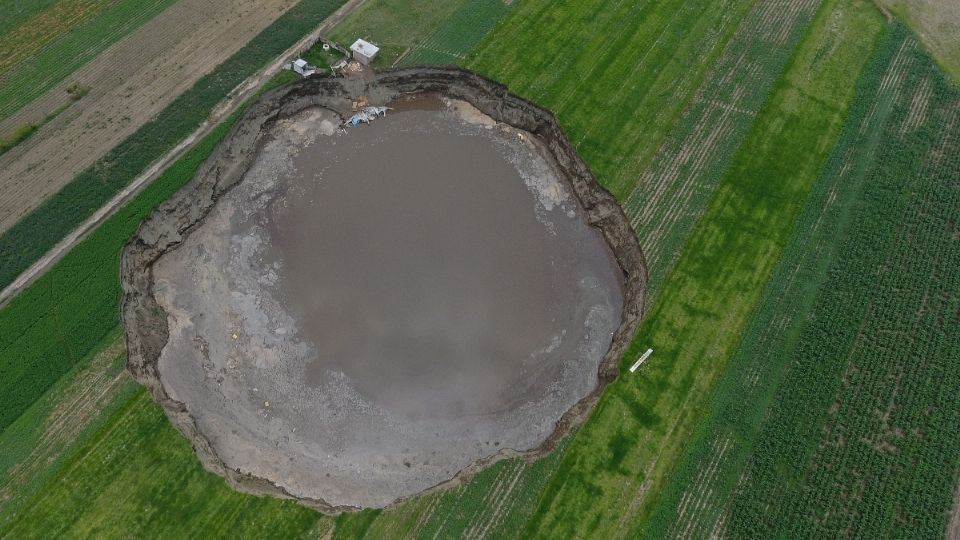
{"x": 736, "y": 409}
{"x": 130, "y": 83}
{"x": 50, "y": 46}
{"x": 671, "y": 193}
{"x": 837, "y": 398}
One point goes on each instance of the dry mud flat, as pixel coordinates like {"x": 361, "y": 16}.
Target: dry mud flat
{"x": 488, "y": 333}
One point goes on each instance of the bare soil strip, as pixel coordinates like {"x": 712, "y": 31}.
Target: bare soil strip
{"x": 953, "y": 529}
{"x": 220, "y": 112}
{"x": 129, "y": 83}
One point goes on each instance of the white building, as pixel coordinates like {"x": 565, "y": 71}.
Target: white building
{"x": 300, "y": 66}
{"x": 364, "y": 51}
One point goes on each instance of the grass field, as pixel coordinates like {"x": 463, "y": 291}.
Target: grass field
{"x": 801, "y": 231}
{"x": 458, "y": 34}
{"x": 396, "y": 26}
{"x": 51, "y": 44}
{"x": 617, "y": 75}
{"x": 628, "y": 446}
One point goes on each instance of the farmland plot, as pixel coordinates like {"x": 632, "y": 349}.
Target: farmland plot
{"x": 111, "y": 489}
{"x": 129, "y": 84}
{"x": 497, "y": 502}
{"x": 693, "y": 502}
{"x": 30, "y": 237}
{"x": 672, "y": 191}
{"x": 457, "y": 34}
{"x": 625, "y": 450}
{"x": 617, "y": 76}
{"x": 52, "y": 44}
{"x": 863, "y": 434}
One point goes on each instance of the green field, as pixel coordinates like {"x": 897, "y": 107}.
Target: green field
{"x": 716, "y": 458}
{"x": 792, "y": 172}
{"x": 866, "y": 418}
{"x": 458, "y": 34}
{"x": 397, "y": 26}
{"x": 627, "y": 448}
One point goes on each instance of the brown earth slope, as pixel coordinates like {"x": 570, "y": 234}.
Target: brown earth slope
{"x": 129, "y": 83}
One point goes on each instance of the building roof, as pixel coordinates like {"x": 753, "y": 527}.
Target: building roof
{"x": 365, "y": 48}
{"x": 300, "y": 63}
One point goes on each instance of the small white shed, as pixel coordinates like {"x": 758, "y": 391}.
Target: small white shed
{"x": 300, "y": 66}
{"x": 364, "y": 51}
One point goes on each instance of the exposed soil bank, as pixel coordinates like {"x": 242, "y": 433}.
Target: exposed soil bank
{"x": 177, "y": 224}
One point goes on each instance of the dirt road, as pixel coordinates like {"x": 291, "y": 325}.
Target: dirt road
{"x": 129, "y": 83}
{"x": 221, "y": 111}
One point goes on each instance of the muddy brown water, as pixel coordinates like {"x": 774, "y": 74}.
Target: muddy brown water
{"x": 368, "y": 312}
{"x": 421, "y": 265}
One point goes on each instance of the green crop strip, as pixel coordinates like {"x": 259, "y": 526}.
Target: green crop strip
{"x": 673, "y": 190}
{"x": 457, "y": 34}
{"x": 862, "y": 436}
{"x": 695, "y": 499}
{"x": 138, "y": 476}
{"x": 617, "y": 75}
{"x": 632, "y": 440}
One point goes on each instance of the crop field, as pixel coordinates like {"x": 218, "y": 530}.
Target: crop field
{"x": 41, "y": 167}
{"x": 49, "y": 46}
{"x": 126, "y": 87}
{"x": 900, "y": 102}
{"x": 866, "y": 419}
{"x": 792, "y": 169}
{"x": 457, "y": 34}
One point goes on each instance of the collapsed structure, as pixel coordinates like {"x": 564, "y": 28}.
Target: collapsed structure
{"x": 203, "y": 366}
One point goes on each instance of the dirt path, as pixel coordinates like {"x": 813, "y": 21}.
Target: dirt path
{"x": 953, "y": 529}
{"x": 129, "y": 83}
{"x": 221, "y": 111}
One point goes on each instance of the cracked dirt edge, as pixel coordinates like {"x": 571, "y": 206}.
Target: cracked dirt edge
{"x": 168, "y": 225}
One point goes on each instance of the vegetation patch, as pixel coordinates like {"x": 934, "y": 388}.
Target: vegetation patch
{"x": 706, "y": 301}
{"x": 617, "y": 75}
{"x": 459, "y": 33}
{"x": 863, "y": 433}
{"x": 16, "y": 136}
